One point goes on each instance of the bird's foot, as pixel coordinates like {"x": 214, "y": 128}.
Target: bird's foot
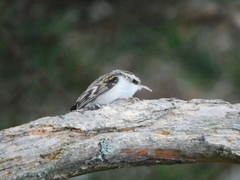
{"x": 92, "y": 106}
{"x": 134, "y": 99}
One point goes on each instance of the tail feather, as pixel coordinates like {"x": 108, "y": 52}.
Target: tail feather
{"x": 73, "y": 108}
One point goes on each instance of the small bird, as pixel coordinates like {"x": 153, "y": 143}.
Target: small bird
{"x": 118, "y": 84}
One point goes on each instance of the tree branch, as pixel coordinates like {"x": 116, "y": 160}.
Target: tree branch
{"x": 126, "y": 133}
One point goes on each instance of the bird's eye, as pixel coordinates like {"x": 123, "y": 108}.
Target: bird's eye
{"x": 135, "y": 81}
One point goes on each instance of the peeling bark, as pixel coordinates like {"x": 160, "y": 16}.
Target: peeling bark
{"x": 125, "y": 133}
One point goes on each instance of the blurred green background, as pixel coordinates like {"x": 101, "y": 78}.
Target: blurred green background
{"x": 51, "y": 51}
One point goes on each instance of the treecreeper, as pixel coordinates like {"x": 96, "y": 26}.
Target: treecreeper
{"x": 118, "y": 84}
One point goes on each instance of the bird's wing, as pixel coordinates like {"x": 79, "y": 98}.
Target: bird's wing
{"x": 90, "y": 95}
{"x": 94, "y": 90}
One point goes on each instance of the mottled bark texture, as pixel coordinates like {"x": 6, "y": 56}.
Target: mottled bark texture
{"x": 125, "y": 133}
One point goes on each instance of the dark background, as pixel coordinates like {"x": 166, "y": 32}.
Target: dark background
{"x": 50, "y": 51}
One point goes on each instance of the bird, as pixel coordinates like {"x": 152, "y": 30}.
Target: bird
{"x": 118, "y": 84}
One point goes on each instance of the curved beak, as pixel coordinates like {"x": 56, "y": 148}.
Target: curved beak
{"x": 145, "y": 87}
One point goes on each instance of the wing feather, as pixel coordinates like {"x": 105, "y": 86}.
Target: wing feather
{"x": 90, "y": 95}
{"x": 98, "y": 87}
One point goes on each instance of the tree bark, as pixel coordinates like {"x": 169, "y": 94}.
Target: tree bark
{"x": 123, "y": 134}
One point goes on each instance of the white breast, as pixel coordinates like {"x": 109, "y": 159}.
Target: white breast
{"x": 123, "y": 89}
